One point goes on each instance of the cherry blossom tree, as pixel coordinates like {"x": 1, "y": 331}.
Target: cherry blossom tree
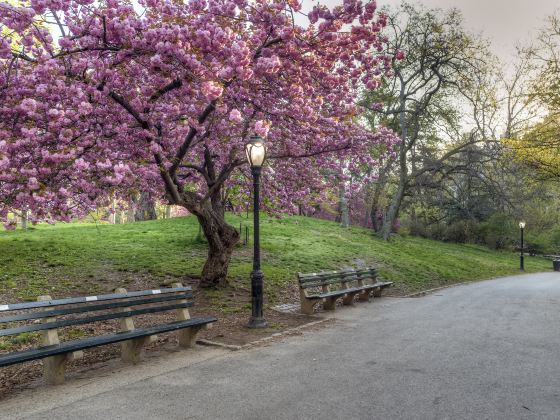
{"x": 100, "y": 98}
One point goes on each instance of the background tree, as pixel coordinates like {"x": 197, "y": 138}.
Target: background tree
{"x": 420, "y": 98}
{"x": 537, "y": 145}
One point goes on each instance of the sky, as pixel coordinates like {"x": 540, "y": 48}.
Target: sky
{"x": 505, "y": 22}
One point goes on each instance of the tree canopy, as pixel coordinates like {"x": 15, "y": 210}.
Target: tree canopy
{"x": 102, "y": 98}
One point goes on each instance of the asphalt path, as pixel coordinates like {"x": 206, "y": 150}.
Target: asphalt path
{"x": 487, "y": 350}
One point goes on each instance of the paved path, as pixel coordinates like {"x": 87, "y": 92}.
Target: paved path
{"x": 488, "y": 350}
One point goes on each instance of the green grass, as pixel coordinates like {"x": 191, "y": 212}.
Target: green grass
{"x": 87, "y": 258}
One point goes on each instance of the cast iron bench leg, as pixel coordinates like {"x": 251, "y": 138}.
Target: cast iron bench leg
{"x": 377, "y": 292}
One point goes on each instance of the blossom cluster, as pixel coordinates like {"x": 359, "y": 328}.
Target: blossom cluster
{"x": 133, "y": 98}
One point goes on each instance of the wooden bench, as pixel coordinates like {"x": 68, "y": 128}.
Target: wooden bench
{"x": 47, "y": 315}
{"x": 318, "y": 287}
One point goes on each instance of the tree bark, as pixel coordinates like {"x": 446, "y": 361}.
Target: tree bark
{"x": 378, "y": 189}
{"x": 221, "y": 238}
{"x": 389, "y": 220}
{"x": 24, "y": 217}
{"x": 343, "y": 207}
{"x": 145, "y": 208}
{"x": 393, "y": 212}
{"x": 130, "y": 212}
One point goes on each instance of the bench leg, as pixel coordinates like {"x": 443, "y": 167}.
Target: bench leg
{"x": 131, "y": 350}
{"x": 377, "y": 292}
{"x": 364, "y": 296}
{"x": 348, "y": 299}
{"x": 329, "y": 304}
{"x": 54, "y": 368}
{"x": 307, "y": 306}
{"x": 187, "y": 337}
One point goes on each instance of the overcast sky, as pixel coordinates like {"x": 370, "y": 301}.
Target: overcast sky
{"x": 505, "y": 22}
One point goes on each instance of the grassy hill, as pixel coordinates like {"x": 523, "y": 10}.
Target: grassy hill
{"x": 89, "y": 258}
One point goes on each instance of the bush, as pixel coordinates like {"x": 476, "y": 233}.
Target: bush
{"x": 415, "y": 228}
{"x": 463, "y": 231}
{"x": 496, "y": 232}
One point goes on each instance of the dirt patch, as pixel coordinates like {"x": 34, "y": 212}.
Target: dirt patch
{"x": 229, "y": 305}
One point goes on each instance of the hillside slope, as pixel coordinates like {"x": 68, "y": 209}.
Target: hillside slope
{"x": 89, "y": 258}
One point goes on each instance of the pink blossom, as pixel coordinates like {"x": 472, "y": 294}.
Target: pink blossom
{"x": 262, "y": 128}
{"x": 235, "y": 116}
{"x": 33, "y": 184}
{"x": 295, "y": 4}
{"x": 10, "y": 225}
{"x": 179, "y": 79}
{"x": 212, "y": 90}
{"x": 28, "y": 105}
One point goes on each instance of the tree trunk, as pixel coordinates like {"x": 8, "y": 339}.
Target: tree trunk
{"x": 130, "y": 211}
{"x": 113, "y": 212}
{"x": 343, "y": 207}
{"x": 389, "y": 220}
{"x": 145, "y": 208}
{"x": 24, "y": 217}
{"x": 393, "y": 212}
{"x": 376, "y": 221}
{"x": 221, "y": 238}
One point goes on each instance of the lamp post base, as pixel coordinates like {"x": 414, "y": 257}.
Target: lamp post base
{"x": 522, "y": 263}
{"x": 257, "y": 319}
{"x": 257, "y": 323}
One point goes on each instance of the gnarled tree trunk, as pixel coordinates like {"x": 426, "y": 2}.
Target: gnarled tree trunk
{"x": 221, "y": 237}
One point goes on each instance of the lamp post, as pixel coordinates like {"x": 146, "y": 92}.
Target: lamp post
{"x": 521, "y": 256}
{"x": 256, "y": 155}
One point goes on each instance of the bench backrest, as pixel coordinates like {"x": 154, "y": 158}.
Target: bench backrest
{"x": 327, "y": 278}
{"x": 90, "y": 309}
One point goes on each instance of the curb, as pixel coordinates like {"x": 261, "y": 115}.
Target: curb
{"x": 260, "y": 341}
{"x": 427, "y": 292}
{"x": 209, "y": 343}
{"x": 436, "y": 289}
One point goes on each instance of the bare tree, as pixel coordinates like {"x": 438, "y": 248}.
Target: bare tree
{"x": 441, "y": 61}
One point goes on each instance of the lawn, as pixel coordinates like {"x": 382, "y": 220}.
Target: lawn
{"x": 90, "y": 258}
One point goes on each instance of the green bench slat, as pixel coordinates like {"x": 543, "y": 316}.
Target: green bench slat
{"x": 86, "y": 343}
{"x": 90, "y": 319}
{"x": 86, "y": 299}
{"x": 320, "y": 277}
{"x": 92, "y": 308}
{"x": 353, "y": 290}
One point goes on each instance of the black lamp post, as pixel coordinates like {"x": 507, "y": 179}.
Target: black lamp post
{"x": 256, "y": 155}
{"x": 521, "y": 256}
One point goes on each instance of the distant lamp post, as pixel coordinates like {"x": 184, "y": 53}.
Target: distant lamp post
{"x": 256, "y": 155}
{"x": 521, "y": 256}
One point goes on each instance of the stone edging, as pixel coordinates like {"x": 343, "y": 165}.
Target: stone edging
{"x": 261, "y": 340}
{"x": 436, "y": 289}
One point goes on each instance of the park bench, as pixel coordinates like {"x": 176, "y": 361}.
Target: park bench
{"x": 328, "y": 286}
{"x": 46, "y": 316}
